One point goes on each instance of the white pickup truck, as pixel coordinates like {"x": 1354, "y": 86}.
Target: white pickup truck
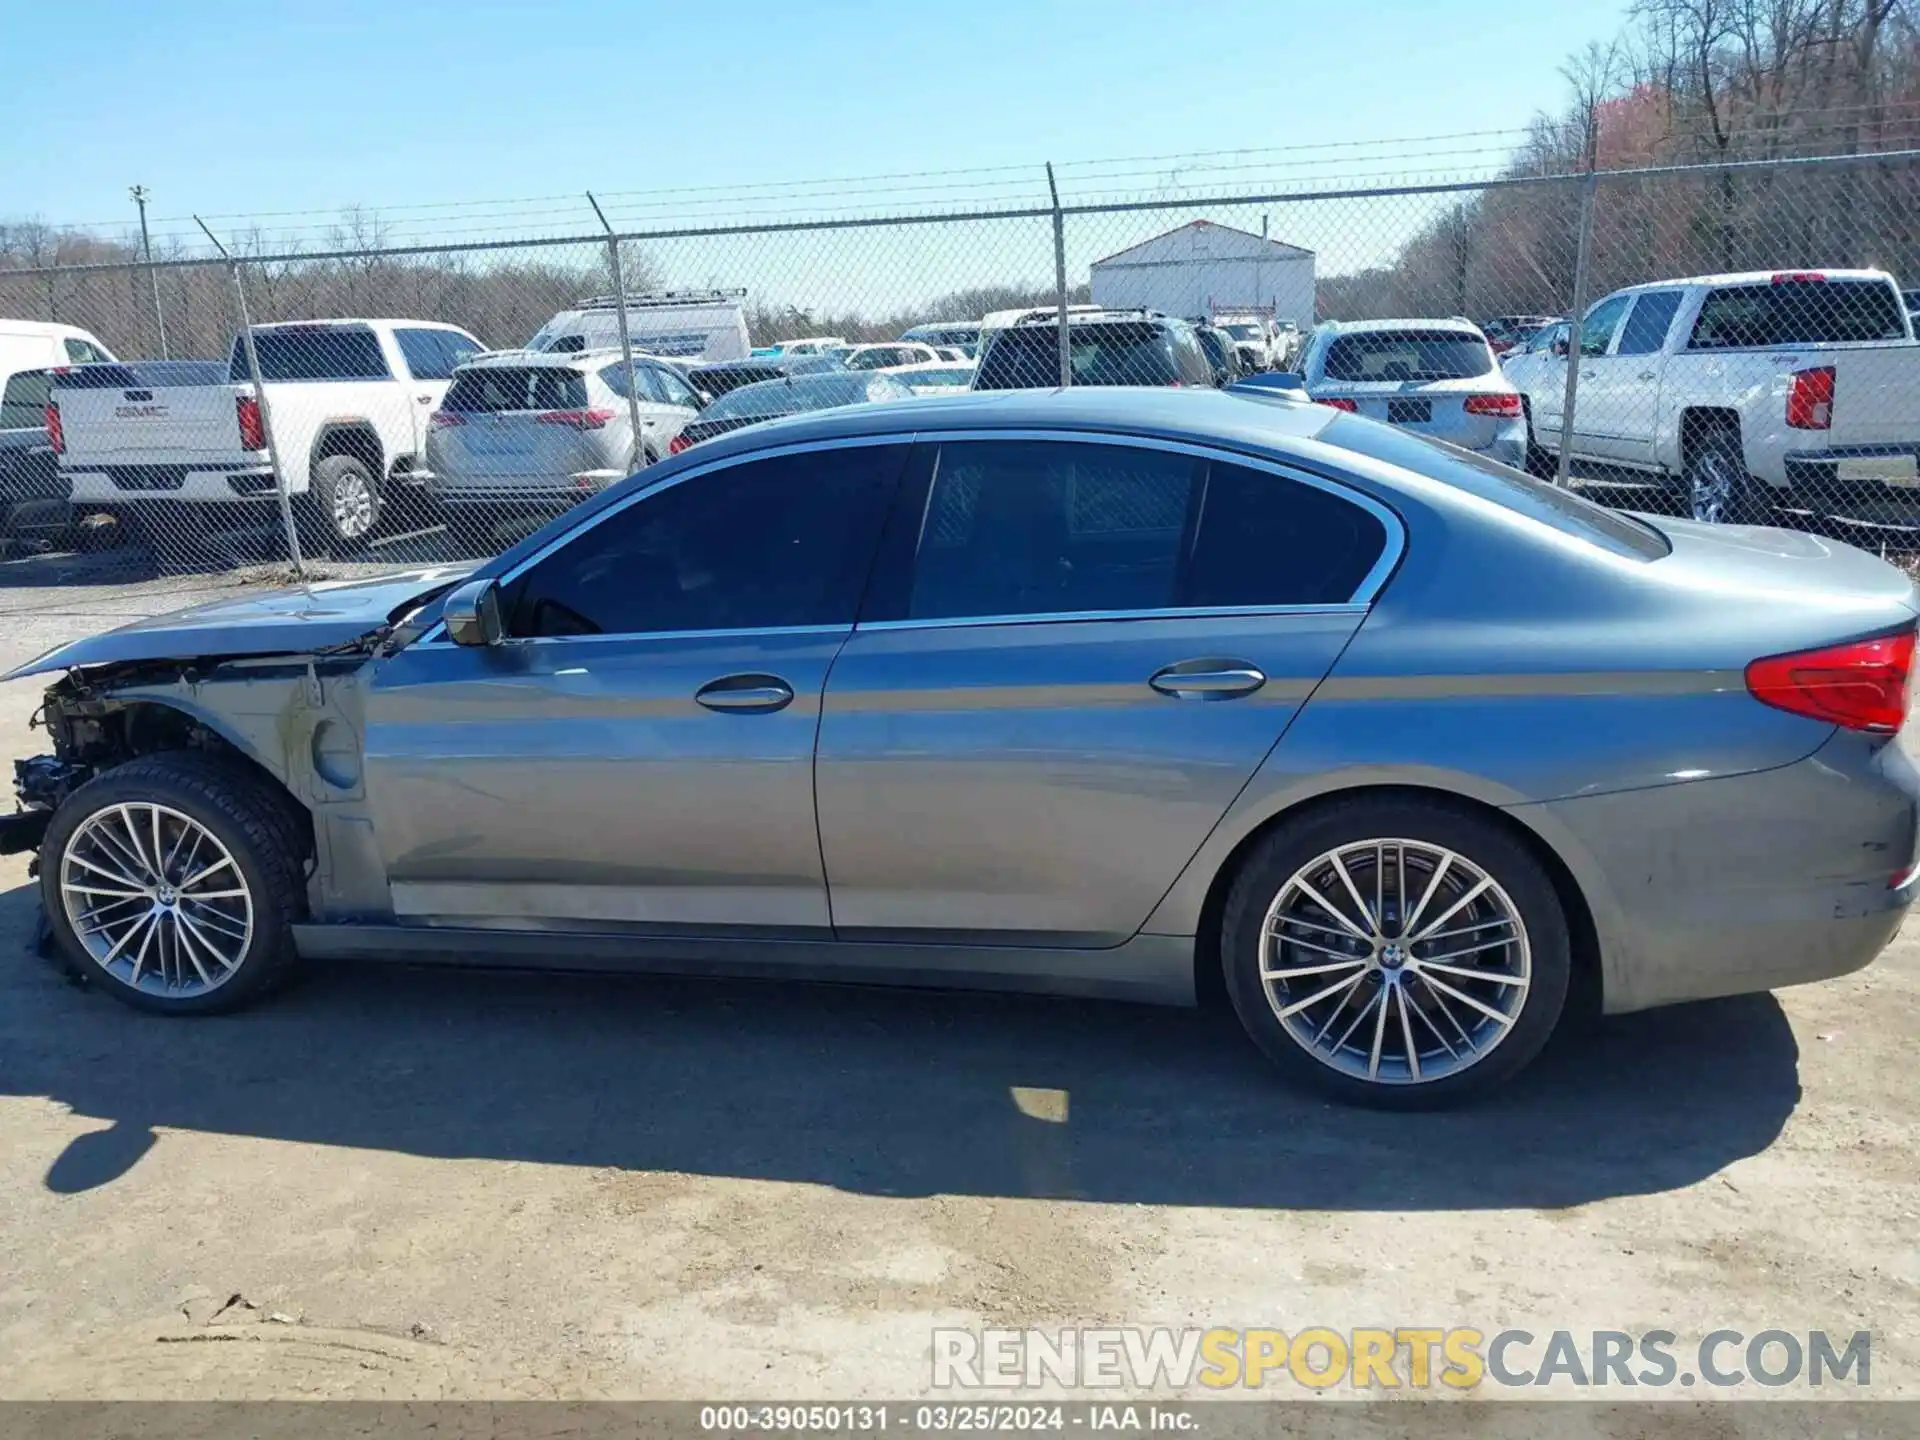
{"x": 349, "y": 401}
{"x": 1745, "y": 392}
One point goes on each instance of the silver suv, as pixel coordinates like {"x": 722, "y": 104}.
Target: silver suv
{"x": 522, "y": 429}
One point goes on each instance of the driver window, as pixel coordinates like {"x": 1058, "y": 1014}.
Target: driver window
{"x": 1596, "y": 331}
{"x": 782, "y": 541}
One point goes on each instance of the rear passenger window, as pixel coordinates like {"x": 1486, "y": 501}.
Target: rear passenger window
{"x": 1018, "y": 527}
{"x": 1045, "y": 528}
{"x": 1265, "y": 540}
{"x": 23, "y": 404}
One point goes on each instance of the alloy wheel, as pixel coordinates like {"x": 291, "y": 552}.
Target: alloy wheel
{"x": 1395, "y": 961}
{"x": 352, "y": 506}
{"x": 156, "y": 899}
{"x": 1711, "y": 491}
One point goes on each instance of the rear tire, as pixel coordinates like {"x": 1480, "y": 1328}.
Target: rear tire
{"x": 1366, "y": 1019}
{"x": 1719, "y": 491}
{"x": 341, "y": 509}
{"x": 170, "y": 836}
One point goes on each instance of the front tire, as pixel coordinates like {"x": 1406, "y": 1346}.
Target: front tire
{"x": 173, "y": 882}
{"x": 1396, "y": 953}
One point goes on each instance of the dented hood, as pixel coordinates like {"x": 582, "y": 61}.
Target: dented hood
{"x": 273, "y": 622}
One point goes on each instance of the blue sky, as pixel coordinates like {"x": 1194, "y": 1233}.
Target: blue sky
{"x": 224, "y": 108}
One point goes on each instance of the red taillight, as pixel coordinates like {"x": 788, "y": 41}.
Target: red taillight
{"x": 443, "y": 419}
{"x": 253, "y": 434}
{"x": 1810, "y": 399}
{"x": 1801, "y": 277}
{"x": 1505, "y": 407}
{"x": 1861, "y": 685}
{"x": 1352, "y": 407}
{"x": 578, "y": 419}
{"x": 56, "y": 437}
{"x": 678, "y": 443}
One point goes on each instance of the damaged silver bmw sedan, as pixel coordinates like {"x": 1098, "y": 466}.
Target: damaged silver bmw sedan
{"x": 1103, "y": 692}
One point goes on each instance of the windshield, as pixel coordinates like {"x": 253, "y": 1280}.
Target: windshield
{"x": 1407, "y": 355}
{"x": 1502, "y": 484}
{"x": 1242, "y": 332}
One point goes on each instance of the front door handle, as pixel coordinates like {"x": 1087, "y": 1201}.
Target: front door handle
{"x": 749, "y": 694}
{"x": 1646, "y": 374}
{"x": 1208, "y": 679}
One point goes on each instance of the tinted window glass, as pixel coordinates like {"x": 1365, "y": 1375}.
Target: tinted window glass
{"x": 1596, "y": 330}
{"x": 23, "y": 403}
{"x": 1032, "y": 527}
{"x": 1264, "y": 540}
{"x": 1027, "y": 357}
{"x": 320, "y": 352}
{"x": 500, "y": 388}
{"x": 1647, "y": 326}
{"x": 1799, "y": 312}
{"x": 79, "y": 352}
{"x": 781, "y": 541}
{"x": 675, "y": 391}
{"x": 431, "y": 354}
{"x": 1406, "y": 355}
{"x": 1464, "y": 470}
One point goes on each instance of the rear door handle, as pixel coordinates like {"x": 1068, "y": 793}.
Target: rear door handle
{"x": 749, "y": 694}
{"x": 1208, "y": 679}
{"x": 1646, "y": 374}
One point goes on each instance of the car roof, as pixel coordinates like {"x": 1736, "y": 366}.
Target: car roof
{"x": 558, "y": 359}
{"x": 1756, "y": 277}
{"x": 1197, "y": 415}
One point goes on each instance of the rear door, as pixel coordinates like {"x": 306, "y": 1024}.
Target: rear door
{"x": 431, "y": 355}
{"x": 1074, "y": 654}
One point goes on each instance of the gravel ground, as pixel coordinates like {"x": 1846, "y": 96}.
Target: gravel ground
{"x": 423, "y": 1184}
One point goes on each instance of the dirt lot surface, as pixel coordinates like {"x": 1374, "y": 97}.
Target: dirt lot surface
{"x": 396, "y": 1183}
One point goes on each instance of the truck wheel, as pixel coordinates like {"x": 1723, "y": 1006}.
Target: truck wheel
{"x": 1719, "y": 489}
{"x": 343, "y": 504}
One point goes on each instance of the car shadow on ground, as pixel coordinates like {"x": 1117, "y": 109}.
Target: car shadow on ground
{"x": 879, "y": 1092}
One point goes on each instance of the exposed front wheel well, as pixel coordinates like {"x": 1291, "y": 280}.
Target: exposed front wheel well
{"x": 1585, "y": 993}
{"x": 1696, "y": 424}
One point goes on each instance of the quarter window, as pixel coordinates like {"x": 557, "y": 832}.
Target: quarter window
{"x": 776, "y": 542}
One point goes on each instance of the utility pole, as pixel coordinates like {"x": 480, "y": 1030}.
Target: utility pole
{"x": 138, "y": 193}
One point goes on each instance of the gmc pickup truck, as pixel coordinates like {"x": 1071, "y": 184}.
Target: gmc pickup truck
{"x": 1745, "y": 393}
{"x": 349, "y": 401}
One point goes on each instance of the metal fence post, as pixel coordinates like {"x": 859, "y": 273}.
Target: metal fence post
{"x": 637, "y": 458}
{"x": 266, "y": 410}
{"x": 1583, "y": 254}
{"x": 1060, "y": 279}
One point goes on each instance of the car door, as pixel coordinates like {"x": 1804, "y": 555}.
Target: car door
{"x": 430, "y": 355}
{"x": 678, "y": 406}
{"x": 1596, "y": 421}
{"x": 1074, "y": 654}
{"x": 638, "y": 752}
{"x": 1624, "y": 392}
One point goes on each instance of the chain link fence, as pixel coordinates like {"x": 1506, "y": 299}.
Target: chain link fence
{"x": 264, "y": 414}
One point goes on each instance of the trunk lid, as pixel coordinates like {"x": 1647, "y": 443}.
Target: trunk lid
{"x": 274, "y": 623}
{"x": 1437, "y": 408}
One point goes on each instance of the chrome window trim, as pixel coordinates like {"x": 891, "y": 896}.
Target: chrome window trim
{"x": 435, "y": 639}
{"x": 1363, "y": 596}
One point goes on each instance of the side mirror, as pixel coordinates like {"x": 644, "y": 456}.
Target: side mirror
{"x": 472, "y": 614}
{"x": 1560, "y": 347}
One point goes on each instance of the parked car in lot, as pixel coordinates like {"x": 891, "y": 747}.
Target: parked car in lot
{"x": 349, "y": 402}
{"x": 962, "y": 335}
{"x": 1256, "y": 336}
{"x": 886, "y": 356}
{"x": 33, "y": 498}
{"x": 792, "y": 395}
{"x": 935, "y": 377}
{"x": 1743, "y": 392}
{"x": 717, "y": 379}
{"x": 1222, "y": 354}
{"x": 812, "y": 345}
{"x": 1508, "y": 332}
{"x": 1105, "y": 347}
{"x": 1436, "y": 378}
{"x": 688, "y": 325}
{"x": 526, "y": 429}
{"x": 1397, "y": 744}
